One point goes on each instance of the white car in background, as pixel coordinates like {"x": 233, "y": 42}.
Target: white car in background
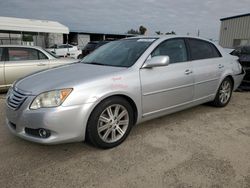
{"x": 66, "y": 50}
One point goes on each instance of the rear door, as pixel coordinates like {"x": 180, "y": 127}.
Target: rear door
{"x": 2, "y": 80}
{"x": 207, "y": 67}
{"x": 23, "y": 61}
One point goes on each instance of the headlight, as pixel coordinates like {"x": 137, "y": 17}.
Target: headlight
{"x": 50, "y": 99}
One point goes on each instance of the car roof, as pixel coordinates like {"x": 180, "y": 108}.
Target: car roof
{"x": 168, "y": 37}
{"x": 20, "y": 46}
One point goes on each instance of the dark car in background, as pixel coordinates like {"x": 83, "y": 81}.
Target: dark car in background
{"x": 244, "y": 58}
{"x": 91, "y": 46}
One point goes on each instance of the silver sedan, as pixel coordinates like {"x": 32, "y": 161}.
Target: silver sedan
{"x": 119, "y": 85}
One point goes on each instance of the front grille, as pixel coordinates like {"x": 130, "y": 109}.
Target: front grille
{"x": 32, "y": 132}
{"x": 16, "y": 99}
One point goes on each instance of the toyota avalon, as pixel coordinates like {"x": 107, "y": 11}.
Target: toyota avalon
{"x": 120, "y": 84}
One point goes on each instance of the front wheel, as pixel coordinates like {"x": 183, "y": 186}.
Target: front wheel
{"x": 224, "y": 93}
{"x": 110, "y": 123}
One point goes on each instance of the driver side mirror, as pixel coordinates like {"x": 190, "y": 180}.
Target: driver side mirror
{"x": 156, "y": 61}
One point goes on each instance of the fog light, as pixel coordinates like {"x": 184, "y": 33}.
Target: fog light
{"x": 43, "y": 133}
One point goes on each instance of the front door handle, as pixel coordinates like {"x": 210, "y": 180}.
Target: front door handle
{"x": 188, "y": 71}
{"x": 220, "y": 66}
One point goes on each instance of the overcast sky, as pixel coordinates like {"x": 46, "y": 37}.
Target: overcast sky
{"x": 182, "y": 16}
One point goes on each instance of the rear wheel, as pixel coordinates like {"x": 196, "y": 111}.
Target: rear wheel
{"x": 80, "y": 56}
{"x": 224, "y": 93}
{"x": 110, "y": 123}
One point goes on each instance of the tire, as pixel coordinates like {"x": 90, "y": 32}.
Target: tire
{"x": 110, "y": 123}
{"x": 224, "y": 93}
{"x": 80, "y": 56}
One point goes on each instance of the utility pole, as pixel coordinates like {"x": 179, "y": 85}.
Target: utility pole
{"x": 198, "y": 34}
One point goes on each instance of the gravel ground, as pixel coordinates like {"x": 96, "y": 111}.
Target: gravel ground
{"x": 200, "y": 147}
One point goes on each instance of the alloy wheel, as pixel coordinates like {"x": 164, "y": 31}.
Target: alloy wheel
{"x": 113, "y": 123}
{"x": 225, "y": 92}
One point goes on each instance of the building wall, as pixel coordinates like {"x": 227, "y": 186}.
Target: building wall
{"x": 37, "y": 39}
{"x": 83, "y": 40}
{"x": 10, "y": 38}
{"x": 54, "y": 38}
{"x": 235, "y": 32}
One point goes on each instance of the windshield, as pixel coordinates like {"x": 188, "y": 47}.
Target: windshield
{"x": 50, "y": 53}
{"x": 245, "y": 50}
{"x": 122, "y": 53}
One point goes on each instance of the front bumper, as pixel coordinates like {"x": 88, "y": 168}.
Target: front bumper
{"x": 65, "y": 124}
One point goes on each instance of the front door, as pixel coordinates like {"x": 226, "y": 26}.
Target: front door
{"x": 169, "y": 86}
{"x": 21, "y": 62}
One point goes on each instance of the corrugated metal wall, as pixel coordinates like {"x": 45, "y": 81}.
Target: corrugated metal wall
{"x": 234, "y": 32}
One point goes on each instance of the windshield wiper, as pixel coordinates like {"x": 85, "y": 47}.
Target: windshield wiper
{"x": 102, "y": 64}
{"x": 95, "y": 63}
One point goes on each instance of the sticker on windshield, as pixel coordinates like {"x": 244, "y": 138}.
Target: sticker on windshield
{"x": 146, "y": 40}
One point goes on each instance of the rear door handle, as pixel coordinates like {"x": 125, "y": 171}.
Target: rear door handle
{"x": 188, "y": 71}
{"x": 220, "y": 66}
{"x": 41, "y": 64}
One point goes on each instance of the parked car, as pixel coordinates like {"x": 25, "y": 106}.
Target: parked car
{"x": 122, "y": 83}
{"x": 93, "y": 45}
{"x": 229, "y": 50}
{"x": 66, "y": 50}
{"x": 244, "y": 58}
{"x": 19, "y": 61}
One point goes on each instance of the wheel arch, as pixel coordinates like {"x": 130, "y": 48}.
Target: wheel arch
{"x": 231, "y": 78}
{"x": 224, "y": 76}
{"x": 125, "y": 97}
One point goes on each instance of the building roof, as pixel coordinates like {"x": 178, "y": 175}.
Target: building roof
{"x": 31, "y": 25}
{"x": 101, "y": 33}
{"x": 237, "y": 16}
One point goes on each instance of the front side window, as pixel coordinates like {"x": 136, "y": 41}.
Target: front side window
{"x": 51, "y": 53}
{"x": 174, "y": 48}
{"x": 122, "y": 53}
{"x": 202, "y": 50}
{"x": 22, "y": 54}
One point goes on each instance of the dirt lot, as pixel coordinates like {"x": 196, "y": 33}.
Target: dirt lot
{"x": 199, "y": 147}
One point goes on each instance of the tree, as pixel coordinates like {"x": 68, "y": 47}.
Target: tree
{"x": 133, "y": 31}
{"x": 142, "y": 30}
{"x": 158, "y": 33}
{"x": 171, "y": 33}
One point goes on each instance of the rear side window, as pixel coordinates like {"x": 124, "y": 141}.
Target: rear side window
{"x": 1, "y": 54}
{"x": 200, "y": 49}
{"x": 21, "y": 54}
{"x": 42, "y": 56}
{"x": 174, "y": 48}
{"x": 65, "y": 46}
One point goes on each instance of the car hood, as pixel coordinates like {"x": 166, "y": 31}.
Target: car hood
{"x": 67, "y": 76}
